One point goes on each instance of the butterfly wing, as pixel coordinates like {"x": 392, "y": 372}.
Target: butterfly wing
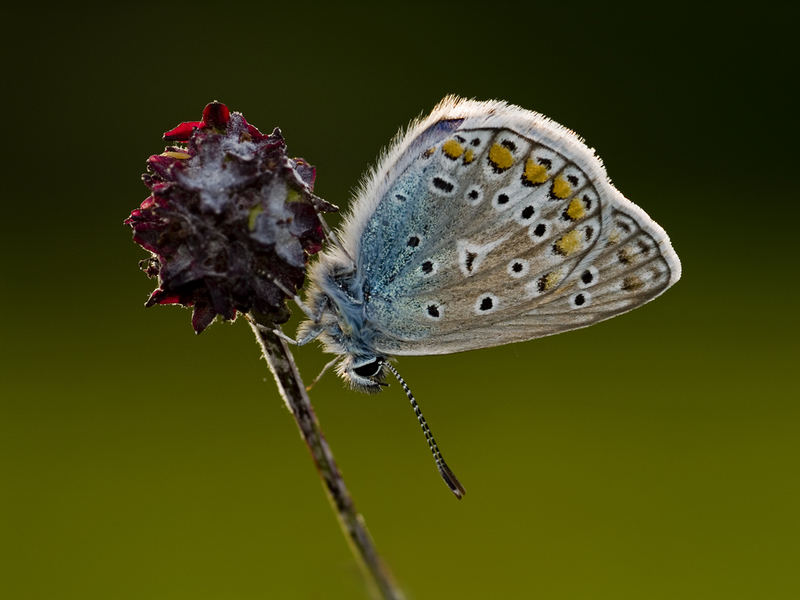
{"x": 487, "y": 224}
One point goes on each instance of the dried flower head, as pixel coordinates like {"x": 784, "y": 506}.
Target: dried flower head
{"x": 229, "y": 215}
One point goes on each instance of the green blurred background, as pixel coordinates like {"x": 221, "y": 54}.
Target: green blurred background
{"x": 140, "y": 461}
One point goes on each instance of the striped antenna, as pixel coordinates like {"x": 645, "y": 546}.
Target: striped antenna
{"x": 448, "y": 476}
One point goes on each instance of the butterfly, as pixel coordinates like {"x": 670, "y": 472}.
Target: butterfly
{"x": 482, "y": 224}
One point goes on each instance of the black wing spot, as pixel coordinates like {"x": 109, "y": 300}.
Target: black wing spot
{"x": 486, "y": 303}
{"x": 545, "y": 162}
{"x": 509, "y": 144}
{"x": 427, "y": 267}
{"x": 441, "y": 184}
{"x": 527, "y": 212}
{"x": 473, "y": 194}
{"x": 588, "y": 232}
{"x": 516, "y": 267}
{"x": 433, "y": 311}
{"x": 502, "y": 198}
{"x": 475, "y": 142}
{"x": 572, "y": 179}
{"x": 469, "y": 260}
{"x": 413, "y": 241}
{"x": 539, "y": 230}
{"x": 580, "y": 300}
{"x": 587, "y": 277}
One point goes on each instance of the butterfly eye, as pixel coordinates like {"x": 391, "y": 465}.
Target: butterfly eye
{"x": 369, "y": 369}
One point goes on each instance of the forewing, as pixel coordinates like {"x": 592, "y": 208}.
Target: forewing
{"x": 501, "y": 226}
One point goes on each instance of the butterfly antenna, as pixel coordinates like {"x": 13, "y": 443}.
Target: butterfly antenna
{"x": 448, "y": 476}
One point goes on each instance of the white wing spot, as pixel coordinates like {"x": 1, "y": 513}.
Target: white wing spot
{"x": 434, "y": 311}
{"x": 442, "y": 185}
{"x": 518, "y": 267}
{"x": 474, "y": 195}
{"x": 470, "y": 255}
{"x": 588, "y": 277}
{"x": 525, "y": 215}
{"x": 548, "y": 159}
{"x": 540, "y": 230}
{"x": 574, "y": 177}
{"x": 580, "y": 299}
{"x": 486, "y": 303}
{"x": 504, "y": 199}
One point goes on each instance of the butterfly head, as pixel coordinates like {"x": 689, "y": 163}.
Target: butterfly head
{"x": 364, "y": 373}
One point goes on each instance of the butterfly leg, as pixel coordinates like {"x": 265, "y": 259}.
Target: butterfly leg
{"x": 312, "y": 334}
{"x": 297, "y": 300}
{"x": 322, "y": 372}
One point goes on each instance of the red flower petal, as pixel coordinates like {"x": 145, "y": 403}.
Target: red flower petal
{"x": 182, "y": 132}
{"x": 216, "y": 114}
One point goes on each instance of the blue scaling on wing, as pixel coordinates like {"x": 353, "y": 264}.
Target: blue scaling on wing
{"x": 402, "y": 222}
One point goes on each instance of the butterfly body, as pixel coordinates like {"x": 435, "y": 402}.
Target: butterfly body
{"x": 483, "y": 224}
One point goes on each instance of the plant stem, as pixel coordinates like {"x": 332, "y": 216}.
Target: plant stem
{"x": 281, "y": 363}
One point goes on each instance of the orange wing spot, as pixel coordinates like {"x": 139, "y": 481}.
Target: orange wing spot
{"x": 576, "y": 210}
{"x": 500, "y": 157}
{"x": 551, "y": 280}
{"x": 561, "y": 189}
{"x": 625, "y": 256}
{"x": 452, "y": 149}
{"x": 534, "y": 172}
{"x": 469, "y": 156}
{"x": 632, "y": 283}
{"x": 568, "y": 243}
